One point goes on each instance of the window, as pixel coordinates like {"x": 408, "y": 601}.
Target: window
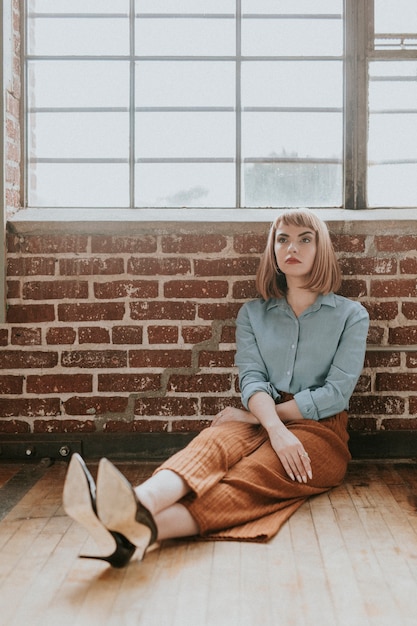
{"x": 221, "y": 103}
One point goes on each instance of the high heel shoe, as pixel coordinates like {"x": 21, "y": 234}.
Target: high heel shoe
{"x": 120, "y": 510}
{"x": 79, "y": 500}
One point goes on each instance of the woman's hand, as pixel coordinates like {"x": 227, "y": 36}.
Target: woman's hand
{"x": 231, "y": 414}
{"x": 291, "y": 453}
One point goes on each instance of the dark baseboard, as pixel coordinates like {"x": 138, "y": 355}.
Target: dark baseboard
{"x": 159, "y": 446}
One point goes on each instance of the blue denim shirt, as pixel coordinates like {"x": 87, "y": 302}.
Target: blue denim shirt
{"x": 318, "y": 356}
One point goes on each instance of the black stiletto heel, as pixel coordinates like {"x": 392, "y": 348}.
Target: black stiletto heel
{"x": 79, "y": 500}
{"x": 120, "y": 510}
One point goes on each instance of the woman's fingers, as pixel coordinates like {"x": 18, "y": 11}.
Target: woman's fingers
{"x": 298, "y": 466}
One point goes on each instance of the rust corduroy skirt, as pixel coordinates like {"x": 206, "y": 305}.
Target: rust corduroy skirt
{"x": 239, "y": 488}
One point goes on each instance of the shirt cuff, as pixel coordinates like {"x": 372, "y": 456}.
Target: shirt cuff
{"x": 254, "y": 387}
{"x": 306, "y": 405}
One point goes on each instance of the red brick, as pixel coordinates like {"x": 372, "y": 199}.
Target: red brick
{"x": 94, "y": 358}
{"x": 391, "y": 243}
{"x": 382, "y": 310}
{"x": 364, "y": 384}
{"x": 64, "y": 426}
{"x": 250, "y": 243}
{"x": 127, "y": 335}
{"x": 60, "y": 335}
{"x": 11, "y": 384}
{"x": 352, "y": 288}
{"x": 16, "y": 359}
{"x": 91, "y": 312}
{"x": 30, "y": 313}
{"x": 386, "y": 381}
{"x": 163, "y": 334}
{"x": 399, "y": 288}
{"x": 402, "y": 336}
{"x": 213, "y": 383}
{"x": 399, "y": 424}
{"x": 14, "y": 427}
{"x": 196, "y": 289}
{"x": 13, "y": 289}
{"x": 115, "y": 244}
{"x": 4, "y": 336}
{"x": 189, "y": 426}
{"x": 99, "y": 405}
{"x": 212, "y": 405}
{"x": 55, "y": 290}
{"x": 26, "y": 336}
{"x": 160, "y": 358}
{"x": 244, "y": 290}
{"x": 167, "y": 406}
{"x": 129, "y": 382}
{"x": 382, "y": 359}
{"x": 51, "y": 244}
{"x": 93, "y": 334}
{"x": 60, "y": 383}
{"x": 408, "y": 266}
{"x": 362, "y": 424}
{"x": 219, "y": 311}
{"x": 162, "y": 310}
{"x": 409, "y": 310}
{"x": 411, "y": 359}
{"x": 349, "y": 243}
{"x": 29, "y": 407}
{"x": 228, "y": 334}
{"x": 196, "y": 334}
{"x": 246, "y": 266}
{"x": 375, "y": 335}
{"x": 31, "y": 266}
{"x": 155, "y": 266}
{"x": 216, "y": 358}
{"x": 377, "y": 405}
{"x": 136, "y": 426}
{"x": 412, "y": 404}
{"x": 355, "y": 266}
{"x": 193, "y": 243}
{"x": 91, "y": 266}
{"x": 126, "y": 288}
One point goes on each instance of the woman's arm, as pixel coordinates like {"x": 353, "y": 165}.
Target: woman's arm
{"x": 287, "y": 446}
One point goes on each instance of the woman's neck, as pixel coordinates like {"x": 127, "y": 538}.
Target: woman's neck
{"x": 300, "y": 299}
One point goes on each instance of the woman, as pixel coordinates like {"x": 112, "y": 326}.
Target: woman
{"x": 300, "y": 351}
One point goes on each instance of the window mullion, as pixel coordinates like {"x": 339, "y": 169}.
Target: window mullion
{"x": 356, "y": 105}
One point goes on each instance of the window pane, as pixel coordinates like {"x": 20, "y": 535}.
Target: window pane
{"x": 292, "y": 6}
{"x": 79, "y": 185}
{"x": 78, "y": 6}
{"x": 392, "y": 145}
{"x": 66, "y": 36}
{"x": 79, "y": 135}
{"x": 292, "y": 84}
{"x": 78, "y": 84}
{"x": 292, "y": 37}
{"x": 395, "y": 16}
{"x": 185, "y": 84}
{"x": 185, "y": 6}
{"x": 185, "y": 184}
{"x": 292, "y": 134}
{"x": 185, "y": 135}
{"x": 178, "y": 37}
{"x": 289, "y": 184}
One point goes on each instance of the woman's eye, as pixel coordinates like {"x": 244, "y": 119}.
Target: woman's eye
{"x": 306, "y": 240}
{"x": 281, "y": 240}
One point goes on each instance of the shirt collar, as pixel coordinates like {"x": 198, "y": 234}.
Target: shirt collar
{"x": 328, "y": 299}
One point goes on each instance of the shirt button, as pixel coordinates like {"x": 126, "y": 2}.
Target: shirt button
{"x": 293, "y": 346}
{"x": 288, "y": 373}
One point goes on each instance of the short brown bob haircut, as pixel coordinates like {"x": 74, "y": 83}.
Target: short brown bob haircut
{"x": 325, "y": 276}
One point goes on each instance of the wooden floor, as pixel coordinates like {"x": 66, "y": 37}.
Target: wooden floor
{"x": 345, "y": 558}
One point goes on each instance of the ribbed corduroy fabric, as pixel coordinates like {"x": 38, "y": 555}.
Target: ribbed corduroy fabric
{"x": 239, "y": 488}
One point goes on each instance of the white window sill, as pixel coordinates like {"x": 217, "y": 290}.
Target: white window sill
{"x": 129, "y": 221}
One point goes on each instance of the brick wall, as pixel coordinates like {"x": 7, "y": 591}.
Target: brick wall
{"x": 135, "y": 333}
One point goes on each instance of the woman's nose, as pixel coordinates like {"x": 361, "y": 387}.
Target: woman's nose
{"x": 292, "y": 246}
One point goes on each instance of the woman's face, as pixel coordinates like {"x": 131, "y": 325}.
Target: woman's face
{"x": 295, "y": 250}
